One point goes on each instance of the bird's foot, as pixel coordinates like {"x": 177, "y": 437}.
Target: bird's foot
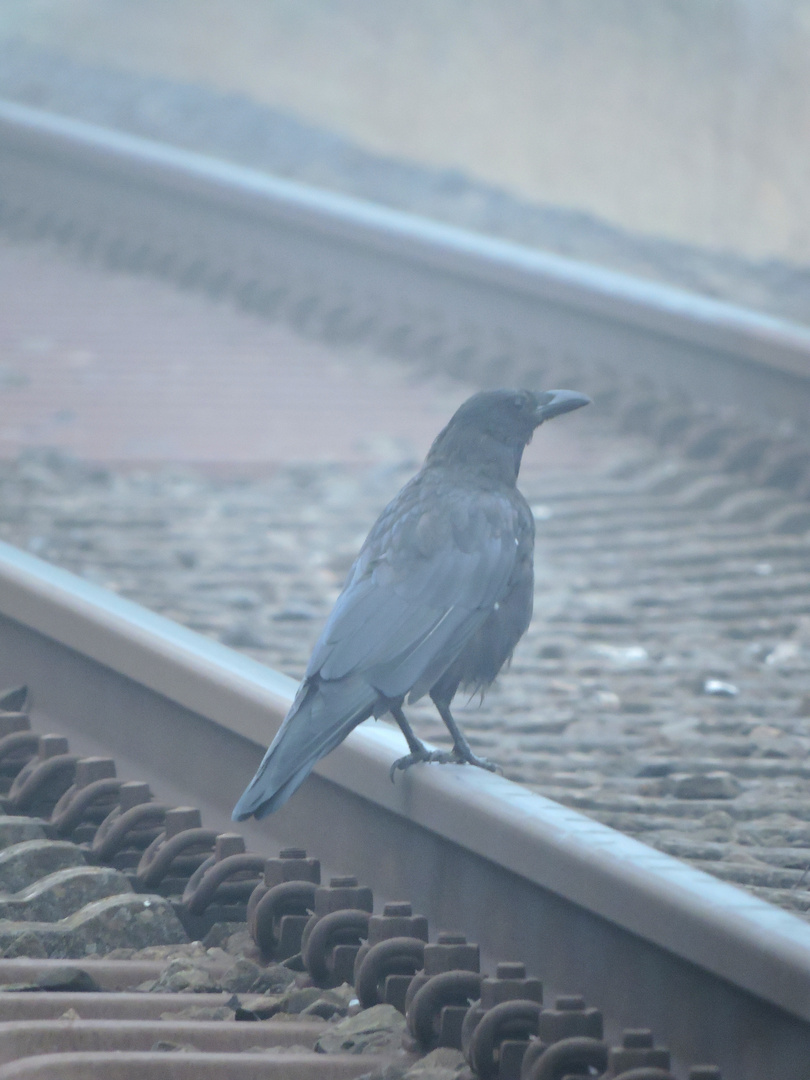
{"x": 464, "y": 756}
{"x": 415, "y": 758}
{"x": 456, "y": 756}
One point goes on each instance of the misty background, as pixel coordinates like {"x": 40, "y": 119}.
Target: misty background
{"x": 686, "y": 120}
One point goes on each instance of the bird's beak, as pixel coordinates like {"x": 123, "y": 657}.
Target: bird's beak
{"x": 555, "y": 402}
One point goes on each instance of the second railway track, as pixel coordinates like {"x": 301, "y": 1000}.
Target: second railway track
{"x": 708, "y": 677}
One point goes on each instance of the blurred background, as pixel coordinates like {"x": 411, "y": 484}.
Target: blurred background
{"x": 670, "y": 141}
{"x": 688, "y": 121}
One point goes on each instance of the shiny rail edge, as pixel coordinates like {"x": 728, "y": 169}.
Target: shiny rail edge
{"x": 707, "y": 922}
{"x": 606, "y": 313}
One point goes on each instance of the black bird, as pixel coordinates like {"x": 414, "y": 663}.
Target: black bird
{"x": 438, "y": 597}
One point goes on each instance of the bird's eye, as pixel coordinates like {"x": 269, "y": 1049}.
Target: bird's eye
{"x": 519, "y": 401}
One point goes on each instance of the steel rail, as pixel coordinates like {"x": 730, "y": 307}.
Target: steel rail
{"x": 347, "y": 269}
{"x": 718, "y": 973}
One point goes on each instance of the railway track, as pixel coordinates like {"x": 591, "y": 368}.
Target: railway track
{"x": 724, "y": 391}
{"x": 716, "y": 972}
{"x": 352, "y": 271}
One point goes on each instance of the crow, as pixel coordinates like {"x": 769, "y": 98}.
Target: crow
{"x": 437, "y": 599}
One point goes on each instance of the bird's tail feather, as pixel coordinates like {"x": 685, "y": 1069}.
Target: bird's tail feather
{"x": 321, "y": 717}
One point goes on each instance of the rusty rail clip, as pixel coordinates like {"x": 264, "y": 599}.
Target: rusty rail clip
{"x": 497, "y": 1028}
{"x": 43, "y": 780}
{"x": 14, "y": 721}
{"x": 128, "y": 829}
{"x": 18, "y": 746}
{"x": 280, "y": 907}
{"x": 181, "y": 847}
{"x": 436, "y": 1011}
{"x": 93, "y": 794}
{"x": 575, "y": 1056}
{"x": 337, "y": 928}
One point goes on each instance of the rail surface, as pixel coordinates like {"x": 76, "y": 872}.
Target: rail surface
{"x": 351, "y": 271}
{"x": 717, "y": 973}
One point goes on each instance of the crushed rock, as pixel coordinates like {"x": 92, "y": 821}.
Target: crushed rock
{"x": 377, "y": 1030}
{"x": 199, "y": 973}
{"x": 443, "y": 1063}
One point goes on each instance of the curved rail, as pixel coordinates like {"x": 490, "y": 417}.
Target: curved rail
{"x": 346, "y": 269}
{"x": 640, "y": 933}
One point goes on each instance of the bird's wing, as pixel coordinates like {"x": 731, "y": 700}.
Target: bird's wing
{"x": 320, "y": 718}
{"x": 431, "y": 570}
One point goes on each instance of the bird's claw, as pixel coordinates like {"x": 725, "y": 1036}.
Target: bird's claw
{"x": 480, "y": 762}
{"x": 456, "y": 756}
{"x": 414, "y": 758}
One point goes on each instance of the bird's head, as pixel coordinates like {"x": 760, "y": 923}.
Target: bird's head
{"x": 499, "y": 424}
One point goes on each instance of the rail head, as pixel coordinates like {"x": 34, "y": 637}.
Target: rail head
{"x": 534, "y": 296}
{"x": 706, "y": 922}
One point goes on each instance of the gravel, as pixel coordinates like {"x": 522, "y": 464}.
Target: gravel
{"x": 233, "y": 127}
{"x": 663, "y": 687}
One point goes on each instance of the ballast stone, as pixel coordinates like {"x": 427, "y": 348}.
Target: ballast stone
{"x": 15, "y": 830}
{"x": 25, "y": 863}
{"x": 377, "y": 1030}
{"x": 62, "y": 893}
{"x": 711, "y": 785}
{"x": 96, "y": 929}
